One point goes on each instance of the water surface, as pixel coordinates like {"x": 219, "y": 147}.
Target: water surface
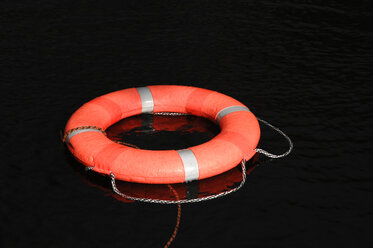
{"x": 305, "y": 67}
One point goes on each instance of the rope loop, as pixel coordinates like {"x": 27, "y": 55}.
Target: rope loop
{"x": 271, "y": 155}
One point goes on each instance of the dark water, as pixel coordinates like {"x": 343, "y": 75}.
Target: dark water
{"x": 304, "y": 67}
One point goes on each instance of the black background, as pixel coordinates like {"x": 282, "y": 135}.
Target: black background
{"x": 304, "y": 66}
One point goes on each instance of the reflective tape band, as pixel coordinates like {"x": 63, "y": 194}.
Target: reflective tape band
{"x": 146, "y": 99}
{"x": 229, "y": 110}
{"x": 190, "y": 165}
{"x": 75, "y": 132}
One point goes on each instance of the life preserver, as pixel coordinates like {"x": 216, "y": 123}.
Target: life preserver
{"x": 86, "y": 139}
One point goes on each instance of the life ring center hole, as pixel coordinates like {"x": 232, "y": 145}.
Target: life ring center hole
{"x": 163, "y": 132}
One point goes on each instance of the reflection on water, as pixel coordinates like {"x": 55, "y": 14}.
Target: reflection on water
{"x": 163, "y": 132}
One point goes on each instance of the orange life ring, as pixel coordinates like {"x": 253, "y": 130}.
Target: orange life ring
{"x": 86, "y": 139}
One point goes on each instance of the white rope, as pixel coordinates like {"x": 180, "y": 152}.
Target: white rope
{"x": 268, "y": 154}
{"x": 159, "y": 201}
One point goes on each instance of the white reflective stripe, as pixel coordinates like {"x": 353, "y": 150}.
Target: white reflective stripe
{"x": 70, "y": 135}
{"x": 146, "y": 99}
{"x": 190, "y": 165}
{"x": 229, "y": 110}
